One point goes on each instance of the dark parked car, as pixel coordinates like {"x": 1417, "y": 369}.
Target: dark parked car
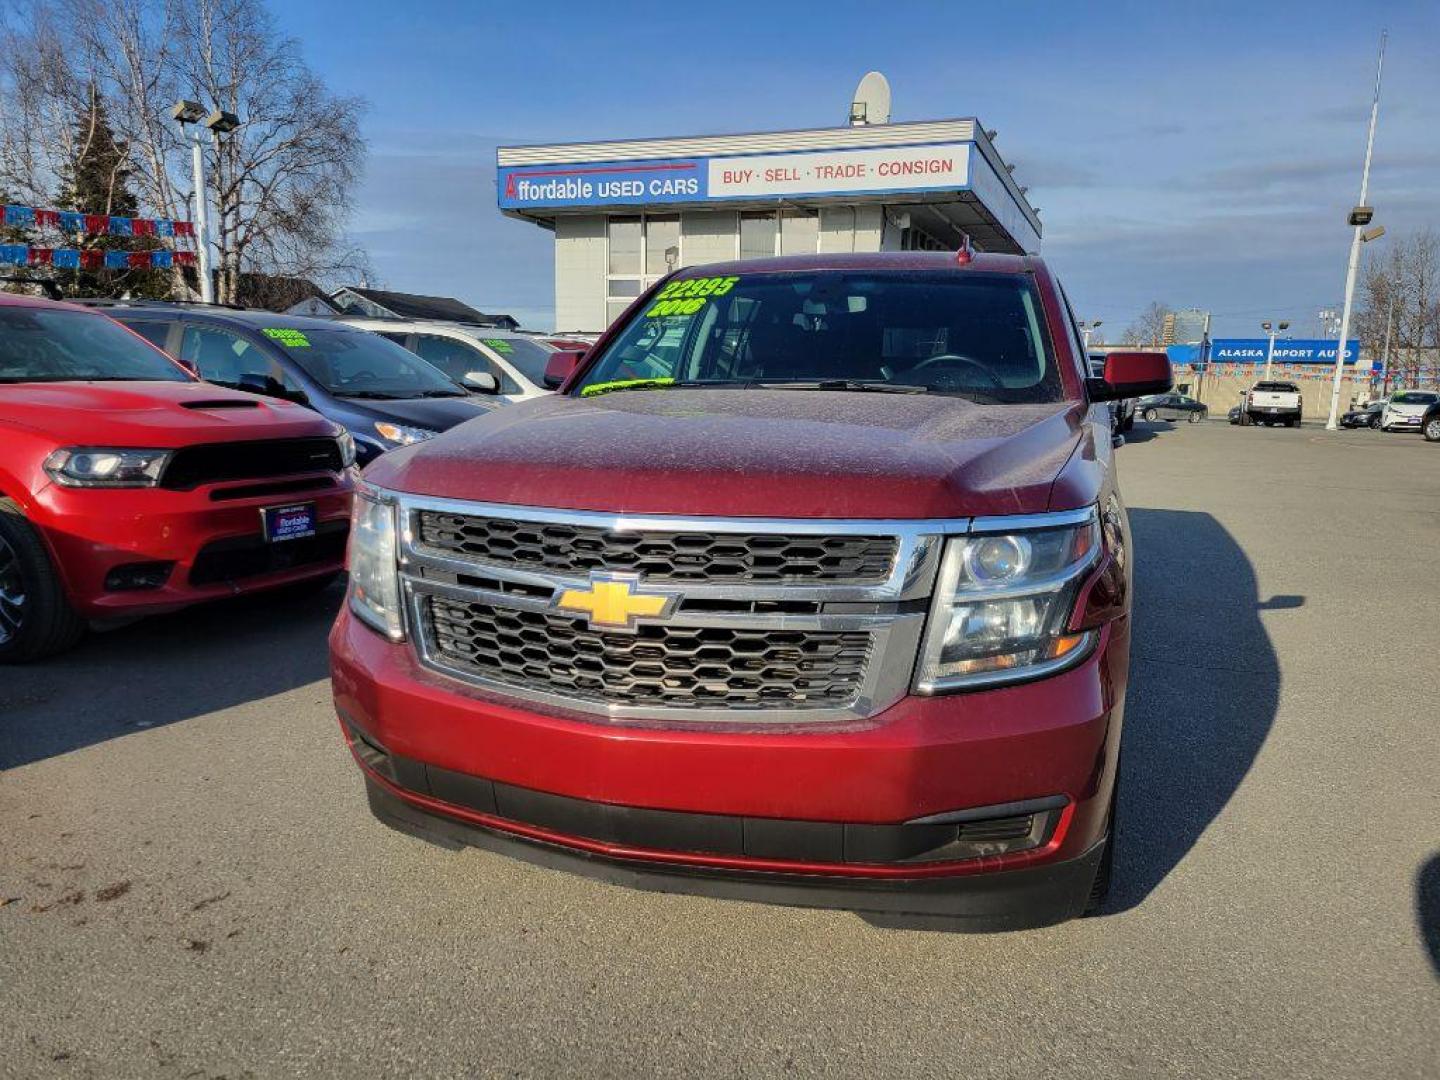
{"x": 1235, "y": 414}
{"x": 1430, "y": 423}
{"x": 1367, "y": 416}
{"x": 1172, "y": 407}
{"x": 381, "y": 393}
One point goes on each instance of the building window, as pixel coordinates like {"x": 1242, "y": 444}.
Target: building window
{"x": 759, "y": 234}
{"x": 799, "y": 232}
{"x": 641, "y": 250}
{"x": 765, "y": 233}
{"x": 662, "y": 245}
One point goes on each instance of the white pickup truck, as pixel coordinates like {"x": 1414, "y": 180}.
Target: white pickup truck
{"x": 1272, "y": 403}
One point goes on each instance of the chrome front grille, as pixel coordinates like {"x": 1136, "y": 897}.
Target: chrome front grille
{"x": 661, "y": 555}
{"x": 752, "y": 621}
{"x": 677, "y": 667}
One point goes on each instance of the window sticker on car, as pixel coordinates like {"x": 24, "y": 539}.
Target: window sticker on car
{"x": 291, "y": 339}
{"x": 688, "y": 296}
{"x": 498, "y": 344}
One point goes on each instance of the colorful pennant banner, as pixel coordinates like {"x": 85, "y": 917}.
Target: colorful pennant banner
{"x": 75, "y": 259}
{"x": 29, "y": 217}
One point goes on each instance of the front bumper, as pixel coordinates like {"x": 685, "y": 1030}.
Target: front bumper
{"x": 925, "y": 756}
{"x": 1010, "y": 900}
{"x": 214, "y": 544}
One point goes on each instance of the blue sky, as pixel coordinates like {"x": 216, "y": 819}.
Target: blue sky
{"x": 1200, "y": 154}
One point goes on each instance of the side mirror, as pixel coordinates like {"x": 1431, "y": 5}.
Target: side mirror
{"x": 481, "y": 381}
{"x": 1131, "y": 374}
{"x": 270, "y": 386}
{"x": 561, "y": 366}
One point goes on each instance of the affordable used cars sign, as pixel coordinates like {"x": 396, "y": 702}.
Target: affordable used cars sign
{"x": 694, "y": 180}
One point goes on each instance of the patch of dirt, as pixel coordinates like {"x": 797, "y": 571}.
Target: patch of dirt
{"x": 113, "y": 891}
{"x": 69, "y": 899}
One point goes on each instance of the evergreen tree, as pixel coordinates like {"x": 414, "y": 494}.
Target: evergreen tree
{"x": 96, "y": 181}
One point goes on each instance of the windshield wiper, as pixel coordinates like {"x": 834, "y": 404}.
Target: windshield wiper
{"x": 643, "y": 384}
{"x": 442, "y": 393}
{"x": 861, "y": 386}
{"x": 374, "y": 395}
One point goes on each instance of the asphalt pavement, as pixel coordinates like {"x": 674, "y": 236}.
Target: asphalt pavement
{"x": 191, "y": 884}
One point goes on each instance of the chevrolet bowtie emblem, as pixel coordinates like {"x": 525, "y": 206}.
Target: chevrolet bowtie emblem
{"x": 614, "y": 601}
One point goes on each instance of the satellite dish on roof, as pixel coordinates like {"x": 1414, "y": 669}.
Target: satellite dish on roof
{"x": 871, "y": 103}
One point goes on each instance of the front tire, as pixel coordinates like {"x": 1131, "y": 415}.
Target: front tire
{"x": 1194, "y": 418}
{"x": 36, "y": 619}
{"x": 1432, "y": 429}
{"x": 1150, "y": 416}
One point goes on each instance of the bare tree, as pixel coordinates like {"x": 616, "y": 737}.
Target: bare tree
{"x": 1148, "y": 327}
{"x": 1401, "y": 293}
{"x": 282, "y": 182}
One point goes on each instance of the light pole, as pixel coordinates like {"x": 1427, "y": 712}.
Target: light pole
{"x": 1360, "y": 217}
{"x": 190, "y": 115}
{"x": 1087, "y": 328}
{"x": 1270, "y": 328}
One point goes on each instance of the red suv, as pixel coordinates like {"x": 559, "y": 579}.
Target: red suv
{"x": 811, "y": 584}
{"x": 128, "y": 487}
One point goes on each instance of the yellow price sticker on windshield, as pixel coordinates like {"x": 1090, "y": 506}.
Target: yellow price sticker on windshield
{"x": 688, "y": 296}
{"x": 291, "y": 339}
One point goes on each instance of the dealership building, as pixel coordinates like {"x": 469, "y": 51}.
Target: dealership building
{"x": 626, "y": 213}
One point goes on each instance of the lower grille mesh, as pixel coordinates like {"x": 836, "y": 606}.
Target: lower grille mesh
{"x": 660, "y": 666}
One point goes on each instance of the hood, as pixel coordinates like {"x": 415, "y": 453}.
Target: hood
{"x": 752, "y": 453}
{"x": 433, "y": 414}
{"x": 1409, "y": 408}
{"x": 152, "y": 414}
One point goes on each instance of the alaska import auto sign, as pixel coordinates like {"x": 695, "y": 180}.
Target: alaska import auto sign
{"x": 938, "y": 166}
{"x": 1287, "y": 350}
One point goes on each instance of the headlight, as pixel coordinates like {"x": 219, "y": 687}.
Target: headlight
{"x": 347, "y": 449}
{"x": 91, "y": 466}
{"x": 401, "y": 435}
{"x": 374, "y": 574}
{"x": 1002, "y": 605}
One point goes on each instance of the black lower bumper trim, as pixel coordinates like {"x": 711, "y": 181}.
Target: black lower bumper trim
{"x": 1002, "y": 900}
{"x": 973, "y": 833}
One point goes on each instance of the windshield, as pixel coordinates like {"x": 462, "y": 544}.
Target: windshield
{"x": 527, "y": 356}
{"x": 1414, "y": 398}
{"x": 43, "y": 345}
{"x": 354, "y": 363}
{"x": 974, "y": 335}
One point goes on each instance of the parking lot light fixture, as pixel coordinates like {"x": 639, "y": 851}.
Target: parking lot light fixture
{"x": 1360, "y": 217}
{"x": 1271, "y": 328}
{"x": 190, "y": 115}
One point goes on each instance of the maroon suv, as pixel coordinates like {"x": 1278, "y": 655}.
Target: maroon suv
{"x": 811, "y": 584}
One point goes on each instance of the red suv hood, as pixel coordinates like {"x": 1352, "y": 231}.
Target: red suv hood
{"x": 751, "y": 453}
{"x": 152, "y": 414}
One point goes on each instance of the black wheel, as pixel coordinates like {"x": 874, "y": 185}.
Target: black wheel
{"x": 1194, "y": 418}
{"x": 1150, "y": 416}
{"x": 1431, "y": 430}
{"x": 1375, "y": 423}
{"x": 36, "y": 619}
